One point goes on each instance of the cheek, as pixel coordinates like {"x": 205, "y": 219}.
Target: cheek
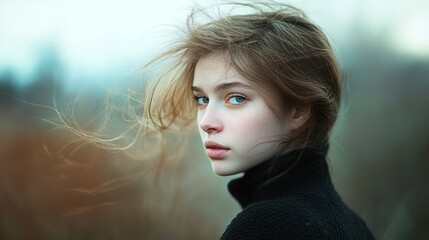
{"x": 198, "y": 120}
{"x": 252, "y": 129}
{"x": 259, "y": 128}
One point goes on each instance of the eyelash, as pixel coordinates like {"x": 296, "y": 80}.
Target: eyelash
{"x": 235, "y": 96}
{"x": 231, "y": 96}
{"x": 197, "y": 99}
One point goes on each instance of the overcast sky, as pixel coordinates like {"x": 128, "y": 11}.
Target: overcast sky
{"x": 92, "y": 36}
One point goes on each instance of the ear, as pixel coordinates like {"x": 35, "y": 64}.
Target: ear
{"x": 299, "y": 116}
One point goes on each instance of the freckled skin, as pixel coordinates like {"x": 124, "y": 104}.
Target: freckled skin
{"x": 236, "y": 117}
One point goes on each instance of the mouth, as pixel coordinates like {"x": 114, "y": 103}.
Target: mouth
{"x": 215, "y": 150}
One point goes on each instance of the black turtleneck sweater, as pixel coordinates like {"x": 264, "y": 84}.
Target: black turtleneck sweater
{"x": 297, "y": 204}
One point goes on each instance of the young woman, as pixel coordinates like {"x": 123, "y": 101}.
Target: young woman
{"x": 265, "y": 89}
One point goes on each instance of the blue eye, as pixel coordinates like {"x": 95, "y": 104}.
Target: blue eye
{"x": 237, "y": 100}
{"x": 202, "y": 100}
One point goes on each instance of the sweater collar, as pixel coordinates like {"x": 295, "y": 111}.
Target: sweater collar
{"x": 297, "y": 170}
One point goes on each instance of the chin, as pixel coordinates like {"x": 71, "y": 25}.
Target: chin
{"x": 224, "y": 171}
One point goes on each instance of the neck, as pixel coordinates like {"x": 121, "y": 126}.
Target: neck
{"x": 294, "y": 171}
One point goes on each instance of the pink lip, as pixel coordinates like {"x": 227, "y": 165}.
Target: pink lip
{"x": 215, "y": 150}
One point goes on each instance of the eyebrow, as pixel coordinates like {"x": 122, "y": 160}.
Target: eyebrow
{"x": 224, "y": 86}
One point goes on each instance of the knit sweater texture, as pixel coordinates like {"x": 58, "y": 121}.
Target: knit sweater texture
{"x": 301, "y": 203}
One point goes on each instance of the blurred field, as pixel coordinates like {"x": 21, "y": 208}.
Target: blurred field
{"x": 50, "y": 189}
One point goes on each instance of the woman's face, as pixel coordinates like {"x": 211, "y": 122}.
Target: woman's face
{"x": 235, "y": 123}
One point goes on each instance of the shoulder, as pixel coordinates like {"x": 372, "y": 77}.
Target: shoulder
{"x": 296, "y": 219}
{"x": 275, "y": 219}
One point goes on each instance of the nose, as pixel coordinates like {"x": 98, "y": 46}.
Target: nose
{"x": 209, "y": 121}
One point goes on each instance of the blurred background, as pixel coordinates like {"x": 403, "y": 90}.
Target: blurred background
{"x": 79, "y": 56}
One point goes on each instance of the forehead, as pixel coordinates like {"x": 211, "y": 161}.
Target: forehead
{"x": 215, "y": 68}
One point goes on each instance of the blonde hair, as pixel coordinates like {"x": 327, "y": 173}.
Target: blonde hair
{"x": 276, "y": 47}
